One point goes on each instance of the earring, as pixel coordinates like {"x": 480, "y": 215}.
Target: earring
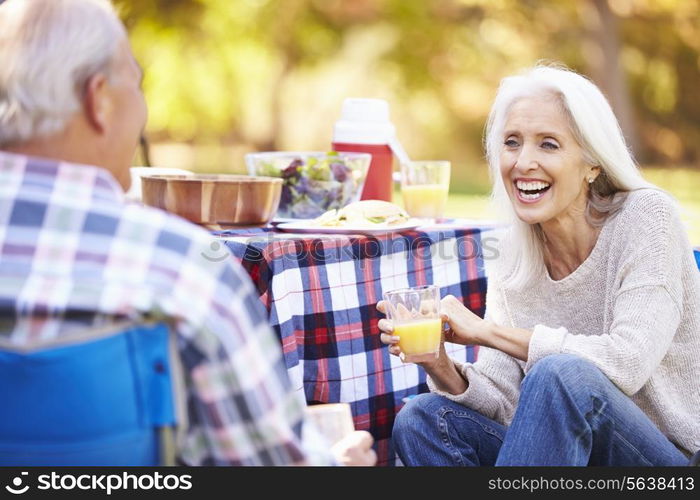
{"x": 590, "y": 180}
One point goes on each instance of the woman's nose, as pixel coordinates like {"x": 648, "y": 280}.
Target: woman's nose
{"x": 526, "y": 160}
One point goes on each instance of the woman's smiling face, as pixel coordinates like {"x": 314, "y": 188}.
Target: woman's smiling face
{"x": 542, "y": 164}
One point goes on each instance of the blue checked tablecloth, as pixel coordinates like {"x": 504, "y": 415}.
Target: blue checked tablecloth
{"x": 321, "y": 293}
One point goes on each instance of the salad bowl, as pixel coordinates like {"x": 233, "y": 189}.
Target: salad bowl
{"x": 313, "y": 182}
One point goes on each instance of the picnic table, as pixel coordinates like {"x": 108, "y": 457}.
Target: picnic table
{"x": 321, "y": 292}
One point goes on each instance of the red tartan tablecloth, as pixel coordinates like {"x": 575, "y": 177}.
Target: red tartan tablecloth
{"x": 321, "y": 293}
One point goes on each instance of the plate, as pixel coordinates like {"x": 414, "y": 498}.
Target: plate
{"x": 276, "y": 221}
{"x": 466, "y": 223}
{"x": 309, "y": 228}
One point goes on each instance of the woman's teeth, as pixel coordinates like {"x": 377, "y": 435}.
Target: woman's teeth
{"x": 531, "y": 196}
{"x": 532, "y": 190}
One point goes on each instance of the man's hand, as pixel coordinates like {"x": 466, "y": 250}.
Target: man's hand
{"x": 355, "y": 449}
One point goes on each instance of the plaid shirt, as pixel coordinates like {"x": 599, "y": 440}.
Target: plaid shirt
{"x": 74, "y": 255}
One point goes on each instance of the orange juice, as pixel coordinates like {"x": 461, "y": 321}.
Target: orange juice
{"x": 425, "y": 200}
{"x": 419, "y": 337}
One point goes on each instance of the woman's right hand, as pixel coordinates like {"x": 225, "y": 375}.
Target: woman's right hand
{"x": 387, "y": 337}
{"x": 386, "y": 326}
{"x": 441, "y": 370}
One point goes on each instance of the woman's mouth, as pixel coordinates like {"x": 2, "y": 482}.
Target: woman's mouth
{"x": 531, "y": 191}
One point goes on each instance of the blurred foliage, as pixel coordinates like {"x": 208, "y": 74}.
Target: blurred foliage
{"x": 272, "y": 74}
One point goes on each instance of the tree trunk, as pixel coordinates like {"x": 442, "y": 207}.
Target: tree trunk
{"x": 607, "y": 71}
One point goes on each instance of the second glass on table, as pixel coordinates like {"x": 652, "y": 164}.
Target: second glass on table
{"x": 415, "y": 313}
{"x": 425, "y": 186}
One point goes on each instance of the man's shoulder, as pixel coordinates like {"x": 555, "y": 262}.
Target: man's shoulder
{"x": 165, "y": 226}
{"x": 177, "y": 248}
{"x": 186, "y": 261}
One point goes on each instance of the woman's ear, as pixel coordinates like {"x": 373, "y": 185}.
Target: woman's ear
{"x": 96, "y": 102}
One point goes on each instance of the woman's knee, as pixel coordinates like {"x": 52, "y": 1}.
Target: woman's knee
{"x": 431, "y": 429}
{"x": 418, "y": 412}
{"x": 563, "y": 368}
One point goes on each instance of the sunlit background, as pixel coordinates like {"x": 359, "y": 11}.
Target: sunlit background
{"x": 225, "y": 77}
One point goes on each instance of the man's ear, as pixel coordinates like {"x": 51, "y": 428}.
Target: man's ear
{"x": 96, "y": 102}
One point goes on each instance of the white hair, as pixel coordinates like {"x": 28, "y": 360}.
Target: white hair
{"x": 49, "y": 49}
{"x": 597, "y": 131}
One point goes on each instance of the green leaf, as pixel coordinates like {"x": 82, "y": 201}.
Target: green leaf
{"x": 376, "y": 220}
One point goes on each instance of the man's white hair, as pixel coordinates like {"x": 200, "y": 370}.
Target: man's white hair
{"x": 597, "y": 131}
{"x": 48, "y": 51}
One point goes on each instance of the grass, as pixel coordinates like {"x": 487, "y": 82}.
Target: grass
{"x": 683, "y": 184}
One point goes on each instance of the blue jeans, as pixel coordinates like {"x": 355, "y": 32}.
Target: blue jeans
{"x": 569, "y": 413}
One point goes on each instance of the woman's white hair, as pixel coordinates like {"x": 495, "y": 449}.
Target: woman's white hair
{"x": 48, "y": 51}
{"x": 597, "y": 131}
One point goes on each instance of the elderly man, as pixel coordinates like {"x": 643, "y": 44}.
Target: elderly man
{"x": 74, "y": 255}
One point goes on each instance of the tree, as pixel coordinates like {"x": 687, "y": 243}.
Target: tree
{"x": 271, "y": 74}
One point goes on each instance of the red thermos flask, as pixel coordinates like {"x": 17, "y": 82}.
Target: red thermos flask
{"x": 364, "y": 127}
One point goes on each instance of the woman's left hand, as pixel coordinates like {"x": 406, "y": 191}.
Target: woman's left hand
{"x": 465, "y": 327}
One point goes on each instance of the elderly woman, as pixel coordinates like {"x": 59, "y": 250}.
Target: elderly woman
{"x": 591, "y": 342}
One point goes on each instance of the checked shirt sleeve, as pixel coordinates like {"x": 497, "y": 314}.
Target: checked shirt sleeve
{"x": 241, "y": 407}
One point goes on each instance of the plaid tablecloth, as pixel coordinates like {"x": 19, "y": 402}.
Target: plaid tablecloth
{"x": 321, "y": 292}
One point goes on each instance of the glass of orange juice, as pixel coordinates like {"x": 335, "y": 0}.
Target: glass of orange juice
{"x": 424, "y": 186}
{"x": 416, "y": 315}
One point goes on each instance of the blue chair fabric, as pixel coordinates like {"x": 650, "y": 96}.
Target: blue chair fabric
{"x": 96, "y": 401}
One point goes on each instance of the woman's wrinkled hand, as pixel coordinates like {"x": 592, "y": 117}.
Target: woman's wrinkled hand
{"x": 465, "y": 327}
{"x": 387, "y": 337}
{"x": 386, "y": 326}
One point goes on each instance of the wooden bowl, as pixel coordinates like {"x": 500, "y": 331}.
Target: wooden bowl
{"x": 216, "y": 201}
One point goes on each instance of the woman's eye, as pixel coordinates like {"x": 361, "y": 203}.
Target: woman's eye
{"x": 511, "y": 143}
{"x": 550, "y": 145}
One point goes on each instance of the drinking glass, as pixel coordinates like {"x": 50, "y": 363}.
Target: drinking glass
{"x": 416, "y": 315}
{"x": 424, "y": 186}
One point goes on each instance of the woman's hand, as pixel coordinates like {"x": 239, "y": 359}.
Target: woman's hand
{"x": 386, "y": 326}
{"x": 441, "y": 370}
{"x": 465, "y": 327}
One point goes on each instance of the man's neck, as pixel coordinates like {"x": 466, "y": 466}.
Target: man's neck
{"x": 71, "y": 146}
{"x": 57, "y": 147}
